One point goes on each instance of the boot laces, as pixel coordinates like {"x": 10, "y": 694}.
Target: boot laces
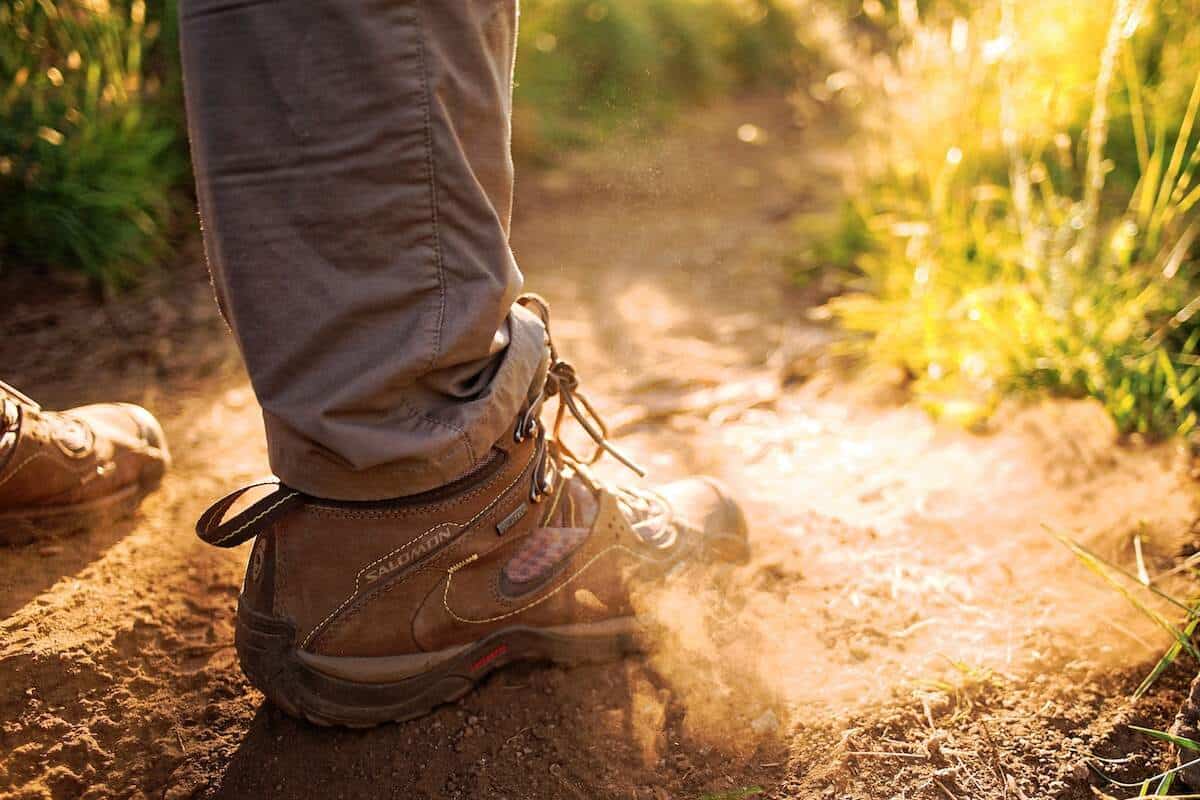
{"x": 16, "y": 396}
{"x": 68, "y": 430}
{"x": 11, "y": 403}
{"x": 648, "y": 512}
{"x": 10, "y": 415}
{"x": 10, "y": 424}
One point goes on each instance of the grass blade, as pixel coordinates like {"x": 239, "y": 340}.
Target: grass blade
{"x": 1167, "y": 187}
{"x": 1168, "y": 658}
{"x": 1079, "y": 548}
{"x": 1102, "y": 569}
{"x": 1137, "y": 111}
{"x": 1179, "y": 741}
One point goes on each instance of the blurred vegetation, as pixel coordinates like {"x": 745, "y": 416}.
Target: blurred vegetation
{"x": 585, "y": 66}
{"x": 90, "y": 148}
{"x": 1025, "y": 216}
{"x": 93, "y": 157}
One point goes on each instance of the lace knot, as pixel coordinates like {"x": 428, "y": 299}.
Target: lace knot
{"x": 562, "y": 381}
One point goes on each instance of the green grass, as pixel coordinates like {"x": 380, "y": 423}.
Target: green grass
{"x": 89, "y": 158}
{"x": 1005, "y": 242}
{"x": 93, "y": 159}
{"x": 585, "y": 67}
{"x": 735, "y": 794}
{"x": 1133, "y": 588}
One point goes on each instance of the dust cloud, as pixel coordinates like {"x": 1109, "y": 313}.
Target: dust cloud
{"x": 896, "y": 557}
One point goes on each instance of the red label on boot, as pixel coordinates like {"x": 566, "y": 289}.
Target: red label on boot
{"x": 489, "y": 658}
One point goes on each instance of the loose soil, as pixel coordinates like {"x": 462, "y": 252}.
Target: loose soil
{"x": 907, "y": 626}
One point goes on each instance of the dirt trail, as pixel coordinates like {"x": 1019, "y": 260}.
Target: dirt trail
{"x": 907, "y": 628}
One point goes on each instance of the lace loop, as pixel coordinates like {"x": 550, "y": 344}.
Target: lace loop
{"x": 562, "y": 381}
{"x": 10, "y": 415}
{"x": 650, "y": 514}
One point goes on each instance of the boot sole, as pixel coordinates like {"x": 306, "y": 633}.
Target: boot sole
{"x": 26, "y": 525}
{"x": 303, "y": 686}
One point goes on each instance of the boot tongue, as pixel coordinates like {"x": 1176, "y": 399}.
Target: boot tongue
{"x": 573, "y": 506}
{"x": 577, "y": 503}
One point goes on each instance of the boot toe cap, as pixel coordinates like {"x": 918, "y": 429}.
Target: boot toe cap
{"x": 135, "y": 435}
{"x": 151, "y": 432}
{"x": 705, "y": 508}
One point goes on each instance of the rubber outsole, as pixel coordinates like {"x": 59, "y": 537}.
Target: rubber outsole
{"x": 266, "y": 647}
{"x": 24, "y": 526}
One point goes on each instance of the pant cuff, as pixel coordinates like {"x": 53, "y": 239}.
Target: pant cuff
{"x": 477, "y": 425}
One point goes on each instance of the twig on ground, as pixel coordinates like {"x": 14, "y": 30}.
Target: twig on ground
{"x": 945, "y": 791}
{"x": 1143, "y": 575}
{"x": 1015, "y": 789}
{"x": 884, "y": 754}
{"x": 928, "y": 713}
{"x": 916, "y": 626}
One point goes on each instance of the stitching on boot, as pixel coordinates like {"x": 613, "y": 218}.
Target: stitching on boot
{"x": 423, "y": 568}
{"x": 345, "y": 619}
{"x": 22, "y": 465}
{"x": 358, "y": 577}
{"x": 474, "y": 556}
{"x": 256, "y": 518}
{"x": 282, "y": 571}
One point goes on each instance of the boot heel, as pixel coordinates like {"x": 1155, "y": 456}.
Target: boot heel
{"x": 265, "y": 646}
{"x": 325, "y": 695}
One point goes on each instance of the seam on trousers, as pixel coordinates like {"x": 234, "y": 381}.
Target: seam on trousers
{"x": 431, "y": 176}
{"x": 448, "y": 425}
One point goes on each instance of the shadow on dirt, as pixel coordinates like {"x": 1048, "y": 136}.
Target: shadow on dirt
{"x": 527, "y": 732}
{"x": 28, "y": 570}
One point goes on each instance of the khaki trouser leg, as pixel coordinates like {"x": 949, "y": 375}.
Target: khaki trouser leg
{"x": 355, "y": 183}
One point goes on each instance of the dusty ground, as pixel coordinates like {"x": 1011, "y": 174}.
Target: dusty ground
{"x": 906, "y": 629}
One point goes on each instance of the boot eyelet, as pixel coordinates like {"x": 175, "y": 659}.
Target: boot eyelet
{"x": 526, "y": 427}
{"x": 540, "y": 486}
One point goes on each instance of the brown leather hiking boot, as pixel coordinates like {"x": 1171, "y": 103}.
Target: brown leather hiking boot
{"x": 65, "y": 471}
{"x": 361, "y": 613}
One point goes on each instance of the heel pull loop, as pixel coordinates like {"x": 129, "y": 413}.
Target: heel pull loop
{"x": 215, "y": 530}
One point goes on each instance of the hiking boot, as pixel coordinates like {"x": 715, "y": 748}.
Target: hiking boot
{"x": 64, "y": 471}
{"x": 360, "y": 613}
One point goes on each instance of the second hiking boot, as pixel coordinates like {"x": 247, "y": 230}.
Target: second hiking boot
{"x": 65, "y": 471}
